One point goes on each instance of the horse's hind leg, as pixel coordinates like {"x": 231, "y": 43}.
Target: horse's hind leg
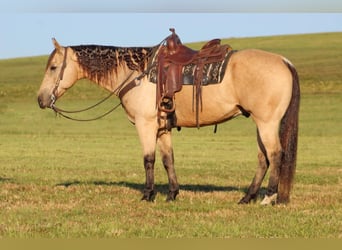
{"x": 269, "y": 135}
{"x": 166, "y": 151}
{"x": 259, "y": 176}
{"x": 270, "y": 155}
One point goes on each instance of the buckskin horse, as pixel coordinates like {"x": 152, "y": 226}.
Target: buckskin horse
{"x": 259, "y": 84}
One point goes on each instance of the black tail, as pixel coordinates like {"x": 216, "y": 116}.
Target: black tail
{"x": 289, "y": 140}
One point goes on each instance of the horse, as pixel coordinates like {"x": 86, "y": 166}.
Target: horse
{"x": 256, "y": 84}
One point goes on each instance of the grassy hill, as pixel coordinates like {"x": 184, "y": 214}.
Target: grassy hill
{"x": 317, "y": 57}
{"x": 63, "y": 179}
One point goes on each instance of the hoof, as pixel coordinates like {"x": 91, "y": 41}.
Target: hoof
{"x": 269, "y": 200}
{"x": 248, "y": 198}
{"x": 244, "y": 200}
{"x": 149, "y": 196}
{"x": 172, "y": 195}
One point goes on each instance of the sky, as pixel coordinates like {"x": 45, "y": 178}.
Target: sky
{"x": 27, "y": 26}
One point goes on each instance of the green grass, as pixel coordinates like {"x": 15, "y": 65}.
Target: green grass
{"x": 64, "y": 179}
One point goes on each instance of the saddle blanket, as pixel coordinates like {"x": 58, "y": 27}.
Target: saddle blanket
{"x": 212, "y": 73}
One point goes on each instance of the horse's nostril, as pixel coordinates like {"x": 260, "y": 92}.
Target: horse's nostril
{"x": 40, "y": 103}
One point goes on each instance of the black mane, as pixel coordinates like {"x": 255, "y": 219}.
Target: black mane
{"x": 99, "y": 60}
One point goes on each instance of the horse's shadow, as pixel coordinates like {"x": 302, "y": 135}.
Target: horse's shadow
{"x": 4, "y": 179}
{"x": 163, "y": 188}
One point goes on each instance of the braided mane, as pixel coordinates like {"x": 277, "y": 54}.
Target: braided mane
{"x": 101, "y": 62}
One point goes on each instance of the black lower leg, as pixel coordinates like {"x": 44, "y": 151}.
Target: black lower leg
{"x": 149, "y": 192}
{"x": 253, "y": 189}
{"x": 272, "y": 187}
{"x": 251, "y": 195}
{"x": 168, "y": 162}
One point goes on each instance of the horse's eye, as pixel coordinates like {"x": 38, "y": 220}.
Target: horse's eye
{"x": 53, "y": 68}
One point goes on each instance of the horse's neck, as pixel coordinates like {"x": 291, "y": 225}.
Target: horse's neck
{"x": 112, "y": 80}
{"x": 110, "y": 66}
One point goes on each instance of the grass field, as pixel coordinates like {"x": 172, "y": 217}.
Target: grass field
{"x": 64, "y": 179}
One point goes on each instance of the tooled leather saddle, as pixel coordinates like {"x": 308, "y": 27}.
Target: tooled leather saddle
{"x": 174, "y": 60}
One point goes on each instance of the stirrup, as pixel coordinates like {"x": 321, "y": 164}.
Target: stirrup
{"x": 167, "y": 104}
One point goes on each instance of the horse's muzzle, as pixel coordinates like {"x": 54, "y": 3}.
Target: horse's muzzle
{"x": 45, "y": 101}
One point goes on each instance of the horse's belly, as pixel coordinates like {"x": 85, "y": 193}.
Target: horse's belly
{"x": 216, "y": 106}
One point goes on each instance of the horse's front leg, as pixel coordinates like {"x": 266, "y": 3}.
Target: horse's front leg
{"x": 166, "y": 151}
{"x": 148, "y": 136}
{"x": 149, "y": 193}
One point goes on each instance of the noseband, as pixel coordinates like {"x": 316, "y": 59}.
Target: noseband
{"x": 59, "y": 79}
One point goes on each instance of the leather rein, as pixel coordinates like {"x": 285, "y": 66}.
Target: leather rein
{"x": 120, "y": 91}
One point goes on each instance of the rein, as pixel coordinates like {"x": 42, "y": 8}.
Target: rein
{"x": 63, "y": 112}
{"x": 121, "y": 90}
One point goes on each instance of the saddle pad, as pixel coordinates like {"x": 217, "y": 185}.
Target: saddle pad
{"x": 212, "y": 73}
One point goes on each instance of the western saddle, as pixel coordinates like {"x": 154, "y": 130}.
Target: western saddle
{"x": 172, "y": 58}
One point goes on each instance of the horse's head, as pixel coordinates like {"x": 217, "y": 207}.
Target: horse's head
{"x": 60, "y": 74}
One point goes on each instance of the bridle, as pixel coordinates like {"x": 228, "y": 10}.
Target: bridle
{"x": 59, "y": 79}
{"x": 120, "y": 91}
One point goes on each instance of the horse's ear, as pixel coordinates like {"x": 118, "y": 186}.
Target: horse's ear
{"x": 56, "y": 44}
